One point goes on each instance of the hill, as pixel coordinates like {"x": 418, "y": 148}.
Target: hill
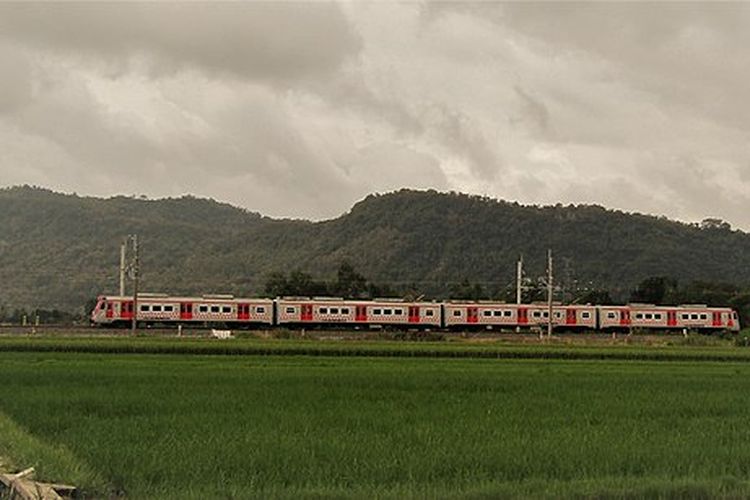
{"x": 58, "y": 251}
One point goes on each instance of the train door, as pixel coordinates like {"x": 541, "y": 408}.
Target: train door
{"x": 570, "y": 316}
{"x": 717, "y": 319}
{"x": 472, "y": 315}
{"x": 307, "y": 312}
{"x": 186, "y": 310}
{"x": 523, "y": 316}
{"x": 360, "y": 313}
{"x": 110, "y": 310}
{"x": 413, "y": 314}
{"x": 243, "y": 312}
{"x": 126, "y": 309}
{"x": 671, "y": 318}
{"x": 624, "y": 317}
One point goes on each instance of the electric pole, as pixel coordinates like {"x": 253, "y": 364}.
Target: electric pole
{"x": 519, "y": 285}
{"x": 549, "y": 292}
{"x": 135, "y": 266}
{"x": 122, "y": 268}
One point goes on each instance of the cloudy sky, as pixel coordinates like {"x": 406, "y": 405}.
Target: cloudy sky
{"x": 300, "y": 109}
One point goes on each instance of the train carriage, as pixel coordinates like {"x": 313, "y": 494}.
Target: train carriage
{"x": 161, "y": 308}
{"x": 683, "y": 317}
{"x": 498, "y": 315}
{"x": 332, "y": 311}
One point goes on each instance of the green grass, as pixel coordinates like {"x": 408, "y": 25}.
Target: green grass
{"x": 169, "y": 426}
{"x": 674, "y": 349}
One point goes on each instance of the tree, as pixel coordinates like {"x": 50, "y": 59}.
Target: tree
{"x": 350, "y": 284}
{"x": 654, "y": 290}
{"x": 466, "y": 290}
{"x": 714, "y": 223}
{"x": 277, "y": 285}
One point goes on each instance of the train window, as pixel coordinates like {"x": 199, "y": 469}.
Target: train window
{"x": 215, "y": 309}
{"x": 168, "y": 308}
{"x": 585, "y": 315}
{"x": 536, "y": 314}
{"x": 226, "y": 309}
{"x": 647, "y": 316}
{"x": 545, "y": 314}
{"x": 611, "y": 315}
{"x": 398, "y": 312}
{"x": 693, "y": 316}
{"x": 260, "y": 310}
{"x": 487, "y": 313}
{"x": 657, "y": 316}
{"x": 703, "y": 316}
{"x": 497, "y": 313}
{"x": 457, "y": 313}
{"x": 156, "y": 308}
{"x": 323, "y": 310}
{"x": 377, "y": 311}
{"x": 145, "y": 308}
{"x": 558, "y": 314}
{"x": 334, "y": 310}
{"x": 290, "y": 310}
{"x": 428, "y": 312}
{"x": 344, "y": 310}
{"x": 639, "y": 316}
{"x": 685, "y": 316}
{"x": 387, "y": 312}
{"x": 203, "y": 309}
{"x": 507, "y": 313}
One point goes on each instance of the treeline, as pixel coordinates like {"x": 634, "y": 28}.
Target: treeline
{"x": 349, "y": 284}
{"x": 20, "y": 316}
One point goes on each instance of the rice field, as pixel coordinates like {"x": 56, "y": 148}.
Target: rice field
{"x": 247, "y": 426}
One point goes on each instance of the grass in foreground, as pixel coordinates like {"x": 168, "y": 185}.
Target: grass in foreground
{"x": 236, "y": 427}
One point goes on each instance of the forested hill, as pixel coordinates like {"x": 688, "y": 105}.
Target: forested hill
{"x": 57, "y": 251}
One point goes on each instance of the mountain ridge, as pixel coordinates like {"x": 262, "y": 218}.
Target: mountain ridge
{"x": 58, "y": 250}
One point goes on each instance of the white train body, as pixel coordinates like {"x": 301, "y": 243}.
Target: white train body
{"x": 498, "y": 314}
{"x": 157, "y": 308}
{"x": 301, "y": 311}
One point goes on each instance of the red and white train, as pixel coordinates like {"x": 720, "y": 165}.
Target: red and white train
{"x": 326, "y": 311}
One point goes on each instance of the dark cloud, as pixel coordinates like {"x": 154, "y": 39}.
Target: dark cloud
{"x": 249, "y": 39}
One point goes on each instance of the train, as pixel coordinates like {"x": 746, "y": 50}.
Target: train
{"x": 320, "y": 312}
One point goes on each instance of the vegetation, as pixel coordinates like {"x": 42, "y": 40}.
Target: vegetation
{"x": 239, "y": 427}
{"x": 57, "y": 251}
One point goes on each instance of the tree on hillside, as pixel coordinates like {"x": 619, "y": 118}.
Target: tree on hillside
{"x": 467, "y": 290}
{"x": 277, "y": 285}
{"x": 297, "y": 284}
{"x": 654, "y": 290}
{"x": 595, "y": 296}
{"x": 349, "y": 284}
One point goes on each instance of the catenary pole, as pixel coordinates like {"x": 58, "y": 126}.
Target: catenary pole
{"x": 136, "y": 272}
{"x": 519, "y": 285}
{"x": 122, "y": 268}
{"x": 549, "y": 292}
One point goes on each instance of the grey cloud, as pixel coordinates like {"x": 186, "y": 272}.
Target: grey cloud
{"x": 16, "y": 80}
{"x": 465, "y": 137}
{"x": 533, "y": 113}
{"x": 249, "y": 39}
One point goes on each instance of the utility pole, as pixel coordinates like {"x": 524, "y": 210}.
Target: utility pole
{"x": 519, "y": 285}
{"x": 122, "y": 268}
{"x": 136, "y": 271}
{"x": 549, "y": 292}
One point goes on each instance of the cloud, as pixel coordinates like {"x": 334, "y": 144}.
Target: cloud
{"x": 300, "y": 109}
{"x": 263, "y": 40}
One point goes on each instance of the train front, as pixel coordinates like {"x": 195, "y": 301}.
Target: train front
{"x": 99, "y": 313}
